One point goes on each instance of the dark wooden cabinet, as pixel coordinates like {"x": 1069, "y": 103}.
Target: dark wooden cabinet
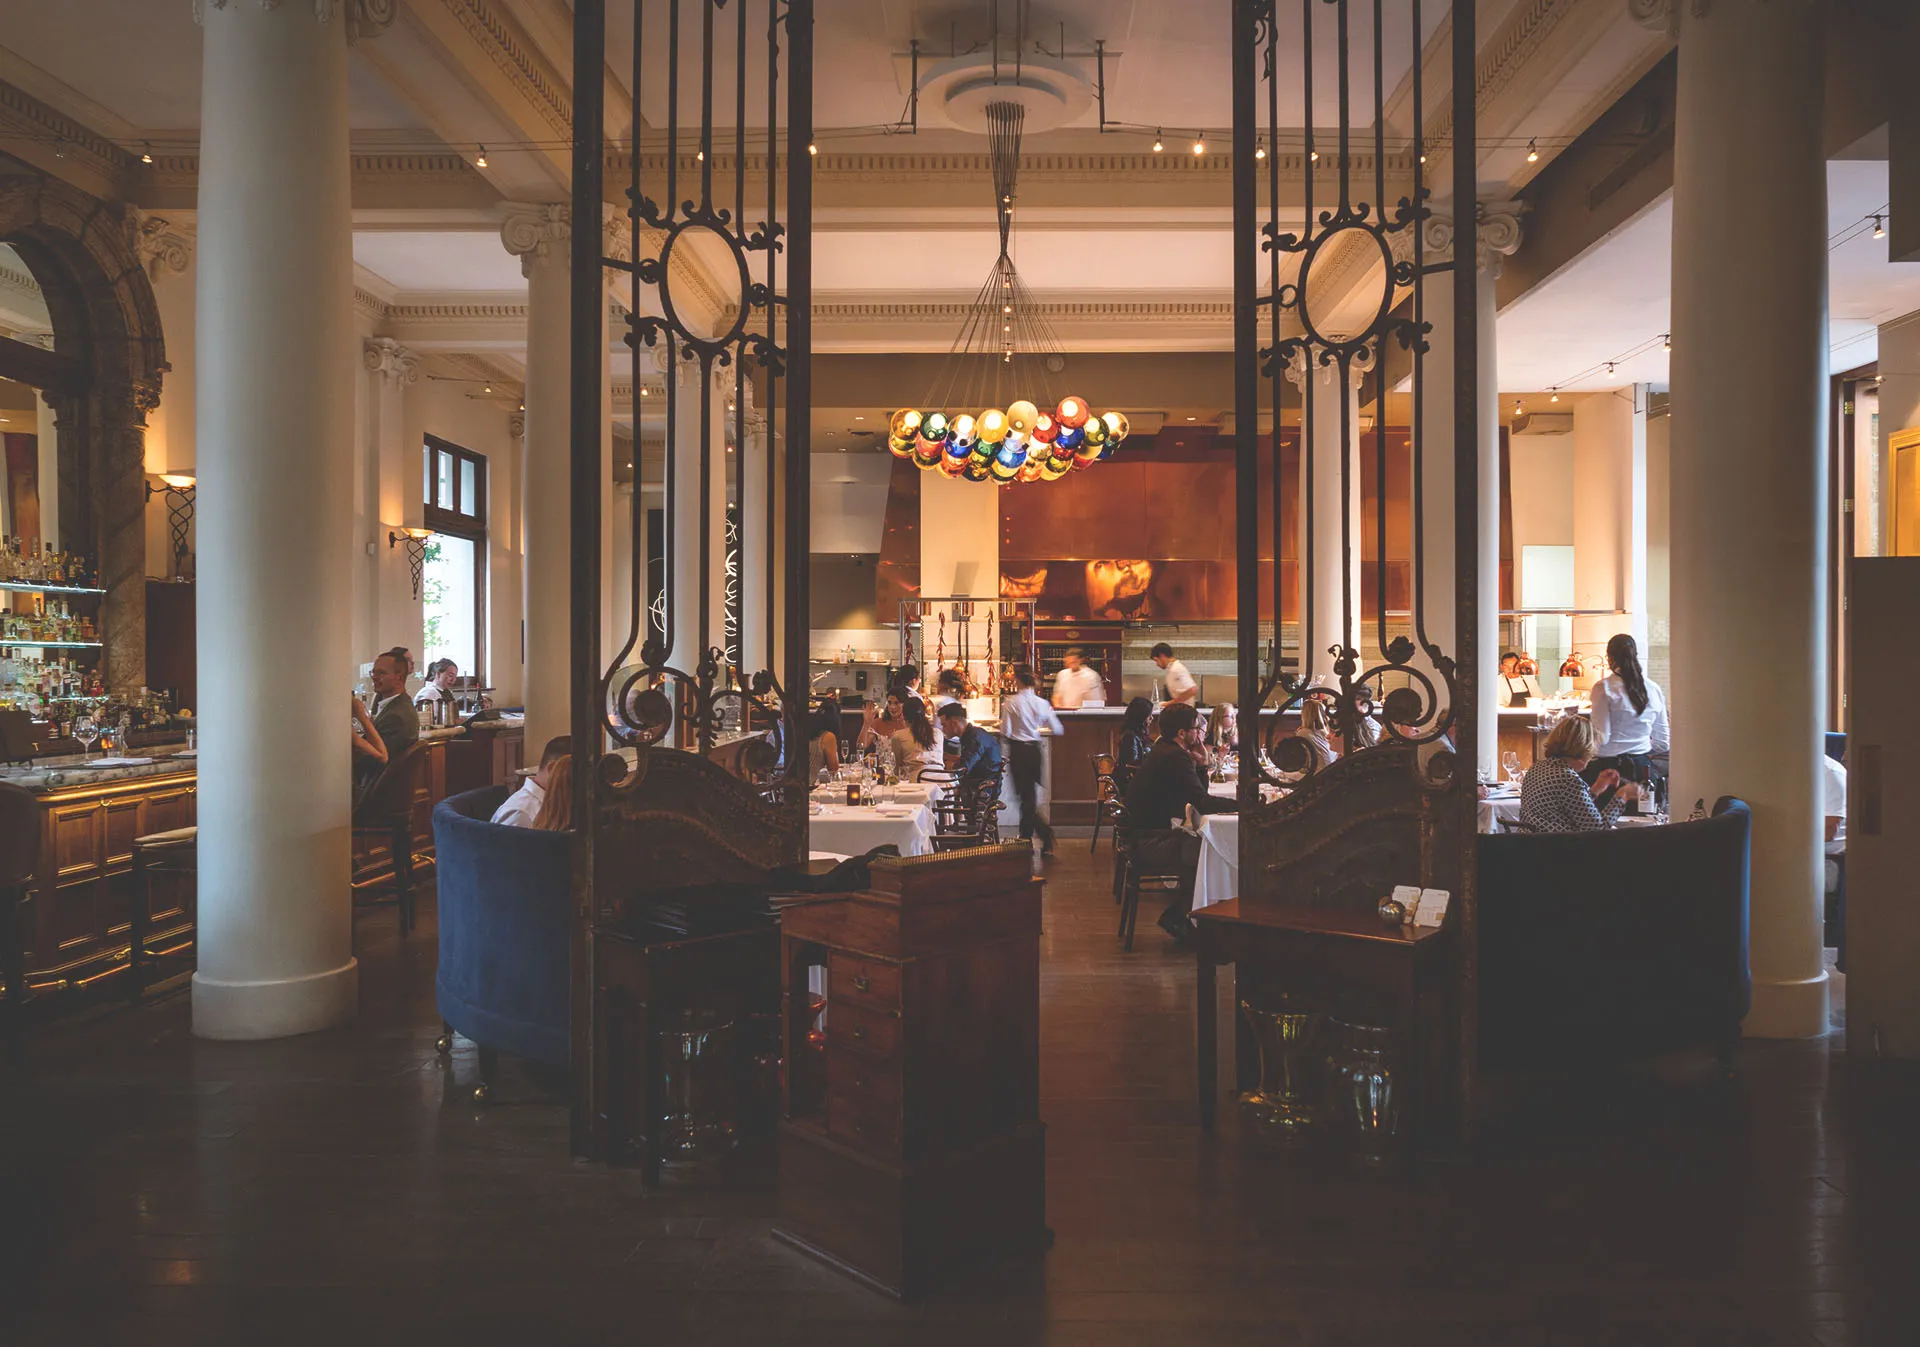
{"x": 79, "y": 916}
{"x": 919, "y": 1147}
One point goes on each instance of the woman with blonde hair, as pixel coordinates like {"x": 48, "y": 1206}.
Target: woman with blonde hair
{"x": 556, "y": 810}
{"x": 1554, "y": 798}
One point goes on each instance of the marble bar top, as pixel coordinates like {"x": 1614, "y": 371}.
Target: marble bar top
{"x": 73, "y": 772}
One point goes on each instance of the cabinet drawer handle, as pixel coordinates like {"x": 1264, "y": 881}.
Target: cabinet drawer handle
{"x": 862, "y": 985}
{"x": 859, "y": 1033}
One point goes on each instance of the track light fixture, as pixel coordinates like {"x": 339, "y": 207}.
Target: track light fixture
{"x": 1200, "y": 144}
{"x": 146, "y": 152}
{"x": 480, "y": 159}
{"x": 1158, "y": 146}
{"x": 1533, "y": 152}
{"x": 1879, "y": 226}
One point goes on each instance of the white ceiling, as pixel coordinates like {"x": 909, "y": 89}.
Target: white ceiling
{"x": 1057, "y": 263}
{"x": 1616, "y": 296}
{"x": 1168, "y": 61}
{"x": 141, "y": 62}
{"x": 452, "y": 260}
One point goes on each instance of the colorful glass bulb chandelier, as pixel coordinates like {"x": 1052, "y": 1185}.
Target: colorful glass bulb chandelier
{"x": 994, "y": 414}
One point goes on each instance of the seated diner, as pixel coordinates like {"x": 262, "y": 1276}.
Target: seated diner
{"x": 1555, "y": 798}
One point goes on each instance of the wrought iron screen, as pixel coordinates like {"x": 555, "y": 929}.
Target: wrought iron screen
{"x": 717, "y": 199}
{"x": 1339, "y": 196}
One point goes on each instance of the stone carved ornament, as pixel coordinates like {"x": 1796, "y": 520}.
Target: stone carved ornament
{"x": 1500, "y": 236}
{"x": 160, "y": 245}
{"x": 365, "y": 18}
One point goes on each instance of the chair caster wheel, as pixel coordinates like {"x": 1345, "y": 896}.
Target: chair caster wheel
{"x": 480, "y": 1093}
{"x": 443, "y": 1044}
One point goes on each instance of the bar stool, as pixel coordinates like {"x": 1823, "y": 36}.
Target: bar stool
{"x": 387, "y": 814}
{"x": 173, "y": 852}
{"x": 19, "y": 859}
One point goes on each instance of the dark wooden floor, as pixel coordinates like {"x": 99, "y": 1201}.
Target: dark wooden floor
{"x": 339, "y": 1188}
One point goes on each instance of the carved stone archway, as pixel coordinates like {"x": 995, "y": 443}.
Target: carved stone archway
{"x": 106, "y": 325}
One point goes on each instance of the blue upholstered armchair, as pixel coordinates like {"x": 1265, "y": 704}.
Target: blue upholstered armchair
{"x": 505, "y": 896}
{"x": 1614, "y": 945}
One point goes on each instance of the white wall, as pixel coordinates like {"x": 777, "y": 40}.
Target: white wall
{"x": 1610, "y": 516}
{"x": 482, "y": 425}
{"x": 1540, "y": 469}
{"x": 849, "y": 502}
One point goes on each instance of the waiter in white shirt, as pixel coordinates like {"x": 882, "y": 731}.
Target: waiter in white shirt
{"x": 520, "y": 809}
{"x": 1076, "y": 684}
{"x": 1024, "y": 718}
{"x": 1180, "y": 684}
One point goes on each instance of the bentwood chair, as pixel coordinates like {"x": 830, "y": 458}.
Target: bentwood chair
{"x": 1106, "y": 792}
{"x": 386, "y": 814}
{"x": 1153, "y": 862}
{"x": 19, "y": 859}
{"x": 968, "y": 815}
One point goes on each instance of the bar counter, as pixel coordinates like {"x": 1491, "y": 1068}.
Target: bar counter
{"x": 1089, "y": 733}
{"x": 76, "y": 922}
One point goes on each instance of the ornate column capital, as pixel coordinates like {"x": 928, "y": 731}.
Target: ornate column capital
{"x": 1500, "y": 235}
{"x": 1663, "y": 16}
{"x": 517, "y": 425}
{"x": 161, "y": 245}
{"x": 1302, "y": 360}
{"x": 535, "y": 231}
{"x": 386, "y": 357}
{"x": 616, "y": 239}
{"x": 365, "y": 18}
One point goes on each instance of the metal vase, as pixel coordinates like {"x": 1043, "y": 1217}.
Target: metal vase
{"x": 1281, "y": 1110}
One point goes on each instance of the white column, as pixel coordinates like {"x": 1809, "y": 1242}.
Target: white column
{"x": 1748, "y": 464}
{"x": 756, "y": 540}
{"x": 506, "y": 568}
{"x": 394, "y": 497}
{"x": 1336, "y": 561}
{"x": 1610, "y": 522}
{"x": 1499, "y": 236}
{"x": 47, "y": 442}
{"x": 539, "y": 236}
{"x": 692, "y": 572}
{"x": 274, "y": 359}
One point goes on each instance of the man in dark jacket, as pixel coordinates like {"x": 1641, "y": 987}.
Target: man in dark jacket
{"x": 979, "y": 752}
{"x": 1167, "y": 782}
{"x": 394, "y": 720}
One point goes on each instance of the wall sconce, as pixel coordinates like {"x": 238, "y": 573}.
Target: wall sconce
{"x": 416, "y": 541}
{"x": 178, "y": 487}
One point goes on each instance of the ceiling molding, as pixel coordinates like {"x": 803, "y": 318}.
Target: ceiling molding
{"x": 515, "y": 55}
{"x": 1072, "y": 166}
{"x": 39, "y": 134}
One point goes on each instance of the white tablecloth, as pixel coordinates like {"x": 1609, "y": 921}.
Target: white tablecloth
{"x": 854, "y": 831}
{"x": 1499, "y": 813}
{"x": 1218, "y": 877}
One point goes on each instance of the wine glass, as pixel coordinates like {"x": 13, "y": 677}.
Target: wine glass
{"x": 86, "y": 732}
{"x": 1511, "y": 761}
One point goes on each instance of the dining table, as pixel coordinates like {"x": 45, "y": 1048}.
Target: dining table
{"x": 1218, "y": 876}
{"x": 903, "y": 818}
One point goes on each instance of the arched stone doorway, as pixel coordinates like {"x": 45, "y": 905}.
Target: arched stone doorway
{"x": 102, "y": 379}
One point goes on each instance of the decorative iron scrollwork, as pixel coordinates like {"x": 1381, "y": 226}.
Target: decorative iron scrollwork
{"x": 704, "y": 293}
{"x": 1364, "y": 228}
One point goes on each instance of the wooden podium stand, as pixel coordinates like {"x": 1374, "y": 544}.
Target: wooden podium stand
{"x": 911, "y": 1140}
